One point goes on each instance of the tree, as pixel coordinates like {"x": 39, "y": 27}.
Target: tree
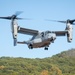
{"x": 44, "y": 72}
{"x": 55, "y": 71}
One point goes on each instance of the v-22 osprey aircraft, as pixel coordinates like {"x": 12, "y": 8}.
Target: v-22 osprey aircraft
{"x": 39, "y": 39}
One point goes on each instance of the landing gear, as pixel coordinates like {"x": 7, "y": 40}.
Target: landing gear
{"x": 46, "y": 48}
{"x": 30, "y": 46}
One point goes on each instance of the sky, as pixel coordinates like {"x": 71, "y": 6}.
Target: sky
{"x": 38, "y": 11}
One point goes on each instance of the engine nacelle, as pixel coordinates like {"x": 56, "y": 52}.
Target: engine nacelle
{"x": 69, "y": 36}
{"x": 69, "y": 28}
{"x": 15, "y": 31}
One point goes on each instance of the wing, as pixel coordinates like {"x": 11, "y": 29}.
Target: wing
{"x": 27, "y": 31}
{"x": 24, "y": 42}
{"x": 60, "y": 33}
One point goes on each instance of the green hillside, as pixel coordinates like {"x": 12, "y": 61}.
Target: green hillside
{"x": 60, "y": 64}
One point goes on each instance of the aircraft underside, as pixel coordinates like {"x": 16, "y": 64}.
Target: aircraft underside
{"x": 44, "y": 43}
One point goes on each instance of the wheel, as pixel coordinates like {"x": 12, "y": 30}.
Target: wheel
{"x": 46, "y": 48}
{"x": 30, "y": 46}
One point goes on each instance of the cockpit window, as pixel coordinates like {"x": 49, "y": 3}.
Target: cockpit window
{"x": 42, "y": 34}
{"x": 47, "y": 32}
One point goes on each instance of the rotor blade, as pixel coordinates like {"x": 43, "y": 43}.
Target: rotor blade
{"x": 19, "y": 18}
{"x": 9, "y": 18}
{"x": 73, "y": 24}
{"x": 6, "y": 17}
{"x": 27, "y": 19}
{"x": 71, "y": 21}
{"x": 62, "y": 21}
{"x": 55, "y": 21}
{"x": 14, "y": 16}
{"x": 18, "y": 13}
{"x": 23, "y": 18}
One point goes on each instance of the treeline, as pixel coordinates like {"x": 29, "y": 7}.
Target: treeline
{"x": 60, "y": 64}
